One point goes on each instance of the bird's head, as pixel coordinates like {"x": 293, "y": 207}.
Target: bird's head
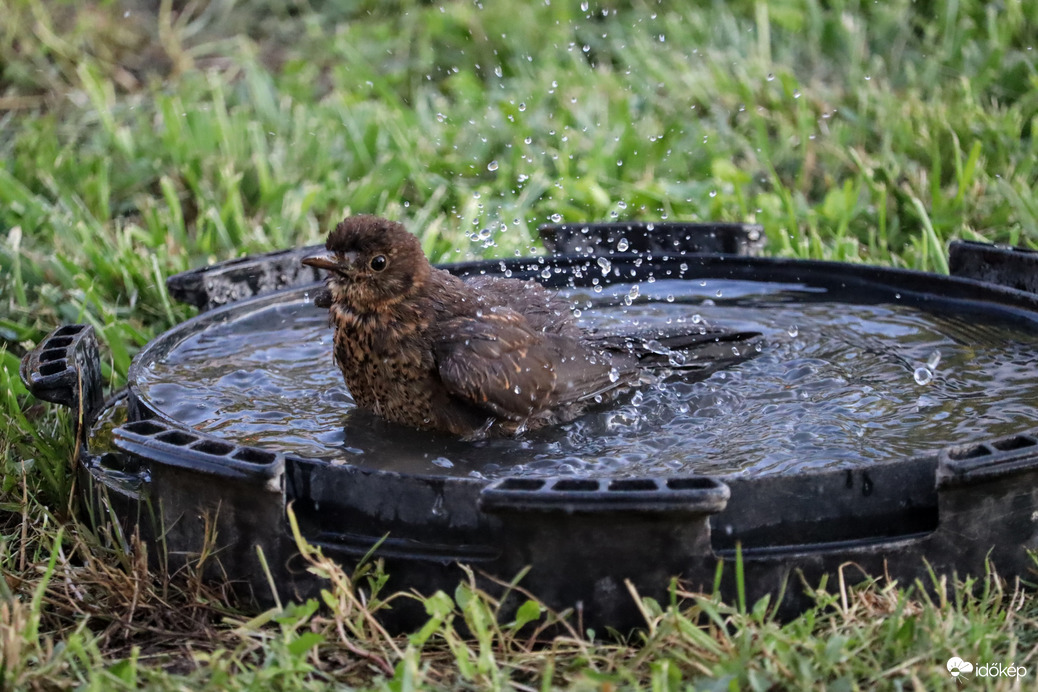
{"x": 372, "y": 263}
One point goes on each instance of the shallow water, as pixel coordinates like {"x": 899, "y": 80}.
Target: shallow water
{"x": 835, "y": 385}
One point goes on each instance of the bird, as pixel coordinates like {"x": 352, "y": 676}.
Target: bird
{"x": 486, "y": 356}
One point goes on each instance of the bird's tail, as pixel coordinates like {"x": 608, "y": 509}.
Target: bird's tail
{"x": 703, "y": 349}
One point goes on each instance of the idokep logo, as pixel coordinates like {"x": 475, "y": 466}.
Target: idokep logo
{"x": 960, "y": 669}
{"x": 956, "y": 666}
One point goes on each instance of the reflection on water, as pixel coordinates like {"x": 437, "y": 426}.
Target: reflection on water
{"x": 836, "y": 384}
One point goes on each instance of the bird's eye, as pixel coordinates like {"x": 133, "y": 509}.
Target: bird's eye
{"x": 378, "y": 262}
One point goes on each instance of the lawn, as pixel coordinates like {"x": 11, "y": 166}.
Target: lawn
{"x": 140, "y": 141}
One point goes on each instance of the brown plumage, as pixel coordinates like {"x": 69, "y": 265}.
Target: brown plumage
{"x": 487, "y": 356}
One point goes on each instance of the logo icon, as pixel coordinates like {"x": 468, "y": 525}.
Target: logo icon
{"x": 956, "y": 666}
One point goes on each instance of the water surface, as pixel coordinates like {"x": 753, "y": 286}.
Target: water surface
{"x": 835, "y": 385}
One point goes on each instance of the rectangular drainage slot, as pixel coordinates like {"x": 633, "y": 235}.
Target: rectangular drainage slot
{"x": 52, "y": 355}
{"x": 578, "y": 484}
{"x": 175, "y": 437}
{"x": 528, "y": 484}
{"x": 53, "y": 368}
{"x": 974, "y": 452}
{"x": 634, "y": 484}
{"x": 144, "y": 427}
{"x": 1018, "y": 442}
{"x": 59, "y": 342}
{"x": 70, "y": 330}
{"x": 214, "y": 447}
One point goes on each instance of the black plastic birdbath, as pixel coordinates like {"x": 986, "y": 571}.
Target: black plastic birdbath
{"x": 589, "y": 531}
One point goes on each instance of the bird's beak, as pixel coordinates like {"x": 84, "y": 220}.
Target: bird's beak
{"x": 323, "y": 259}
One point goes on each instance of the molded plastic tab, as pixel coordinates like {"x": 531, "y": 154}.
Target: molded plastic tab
{"x": 659, "y": 238}
{"x": 987, "y": 460}
{"x": 682, "y": 494}
{"x": 155, "y": 441}
{"x": 245, "y": 277}
{"x": 1014, "y": 267}
{"x": 65, "y": 368}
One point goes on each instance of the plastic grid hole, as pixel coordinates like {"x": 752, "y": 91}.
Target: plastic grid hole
{"x": 583, "y": 485}
{"x": 214, "y": 447}
{"x": 974, "y": 452}
{"x": 53, "y": 368}
{"x": 70, "y": 330}
{"x": 252, "y": 455}
{"x": 176, "y": 437}
{"x": 144, "y": 427}
{"x": 528, "y": 484}
{"x": 691, "y": 483}
{"x": 59, "y": 342}
{"x": 1013, "y": 443}
{"x": 52, "y": 355}
{"x": 633, "y": 484}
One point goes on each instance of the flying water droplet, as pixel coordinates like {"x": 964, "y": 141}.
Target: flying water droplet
{"x": 934, "y": 360}
{"x": 492, "y": 166}
{"x": 622, "y": 245}
{"x": 922, "y": 376}
{"x": 793, "y": 330}
{"x": 605, "y": 265}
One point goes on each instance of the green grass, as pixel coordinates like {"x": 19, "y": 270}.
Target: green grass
{"x": 137, "y": 143}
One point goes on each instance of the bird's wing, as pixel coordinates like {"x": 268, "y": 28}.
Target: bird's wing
{"x": 499, "y": 363}
{"x": 496, "y": 362}
{"x": 545, "y": 310}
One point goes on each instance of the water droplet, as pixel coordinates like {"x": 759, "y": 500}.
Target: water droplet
{"x": 522, "y": 107}
{"x": 771, "y": 77}
{"x": 584, "y": 5}
{"x": 492, "y": 166}
{"x": 546, "y": 273}
{"x": 621, "y": 204}
{"x": 922, "y": 375}
{"x": 796, "y": 93}
{"x": 622, "y": 245}
{"x": 934, "y": 360}
{"x": 605, "y": 265}
{"x": 793, "y": 330}
{"x": 614, "y": 375}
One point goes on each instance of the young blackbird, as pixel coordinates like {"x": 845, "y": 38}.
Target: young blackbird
{"x": 484, "y": 356}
